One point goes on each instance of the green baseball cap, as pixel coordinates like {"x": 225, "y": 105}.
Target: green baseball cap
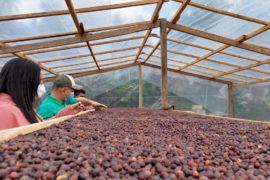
{"x": 65, "y": 80}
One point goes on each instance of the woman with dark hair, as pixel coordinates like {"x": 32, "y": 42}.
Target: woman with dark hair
{"x": 19, "y": 81}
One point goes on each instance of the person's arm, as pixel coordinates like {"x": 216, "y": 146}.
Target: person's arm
{"x": 88, "y": 102}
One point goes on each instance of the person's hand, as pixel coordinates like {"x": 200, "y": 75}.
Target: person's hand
{"x": 71, "y": 110}
{"x": 97, "y": 105}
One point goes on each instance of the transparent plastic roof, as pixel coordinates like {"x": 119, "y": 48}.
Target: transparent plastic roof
{"x": 185, "y": 52}
{"x": 258, "y": 9}
{"x": 216, "y": 23}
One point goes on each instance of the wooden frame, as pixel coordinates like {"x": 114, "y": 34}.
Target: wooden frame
{"x": 77, "y": 39}
{"x": 24, "y": 130}
{"x": 9, "y": 134}
{"x": 87, "y": 36}
{"x": 81, "y": 10}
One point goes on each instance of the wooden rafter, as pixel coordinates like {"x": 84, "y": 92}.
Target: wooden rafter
{"x": 87, "y": 73}
{"x": 81, "y": 10}
{"x": 227, "y": 13}
{"x": 148, "y": 33}
{"x": 239, "y": 39}
{"x": 77, "y": 39}
{"x": 188, "y": 73}
{"x": 106, "y": 28}
{"x": 80, "y": 28}
{"x": 215, "y": 61}
{"x": 244, "y": 68}
{"x": 221, "y": 39}
{"x": 86, "y": 55}
{"x": 103, "y": 65}
{"x": 210, "y": 49}
{"x": 101, "y": 60}
{"x": 209, "y": 68}
{"x": 196, "y": 71}
{"x": 252, "y": 82}
{"x": 174, "y": 20}
{"x": 81, "y": 45}
{"x": 21, "y": 55}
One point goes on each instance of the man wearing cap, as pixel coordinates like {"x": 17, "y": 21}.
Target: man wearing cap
{"x": 59, "y": 98}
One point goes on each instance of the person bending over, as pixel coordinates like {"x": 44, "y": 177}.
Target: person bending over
{"x": 59, "y": 99}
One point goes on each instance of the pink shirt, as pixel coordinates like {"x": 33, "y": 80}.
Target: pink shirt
{"x": 10, "y": 115}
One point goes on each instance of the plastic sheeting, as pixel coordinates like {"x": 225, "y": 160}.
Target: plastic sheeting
{"x": 185, "y": 92}
{"x": 252, "y": 102}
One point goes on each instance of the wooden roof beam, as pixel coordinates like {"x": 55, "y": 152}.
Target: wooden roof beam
{"x": 102, "y": 60}
{"x": 148, "y": 33}
{"x": 221, "y": 39}
{"x": 87, "y": 73}
{"x": 80, "y": 28}
{"x": 227, "y": 13}
{"x": 209, "y": 68}
{"x": 175, "y": 18}
{"x": 188, "y": 74}
{"x": 81, "y": 10}
{"x": 86, "y": 55}
{"x": 103, "y": 65}
{"x": 244, "y": 68}
{"x": 77, "y": 39}
{"x": 106, "y": 28}
{"x": 252, "y": 82}
{"x": 21, "y": 55}
{"x": 81, "y": 45}
{"x": 239, "y": 39}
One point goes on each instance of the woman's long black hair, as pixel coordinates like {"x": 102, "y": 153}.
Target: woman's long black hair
{"x": 20, "y": 79}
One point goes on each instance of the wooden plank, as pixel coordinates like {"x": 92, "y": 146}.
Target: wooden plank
{"x": 81, "y": 10}
{"x": 69, "y": 65}
{"x": 221, "y": 39}
{"x": 91, "y": 67}
{"x": 21, "y": 55}
{"x": 8, "y": 134}
{"x": 38, "y": 37}
{"x": 244, "y": 68}
{"x": 252, "y": 82}
{"x": 188, "y": 74}
{"x": 86, "y": 55}
{"x": 92, "y": 54}
{"x": 163, "y": 53}
{"x": 87, "y": 73}
{"x": 227, "y": 13}
{"x": 209, "y": 68}
{"x": 76, "y": 69}
{"x": 148, "y": 33}
{"x": 140, "y": 86}
{"x": 81, "y": 45}
{"x": 218, "y": 118}
{"x": 230, "y": 100}
{"x": 72, "y": 11}
{"x": 77, "y": 39}
{"x": 239, "y": 39}
{"x": 174, "y": 20}
{"x": 80, "y": 28}
{"x": 213, "y": 60}
{"x": 210, "y": 49}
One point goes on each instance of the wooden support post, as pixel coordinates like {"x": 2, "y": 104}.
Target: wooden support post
{"x": 230, "y": 100}
{"x": 164, "y": 80}
{"x": 140, "y": 87}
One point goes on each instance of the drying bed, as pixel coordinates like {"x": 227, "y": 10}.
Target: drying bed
{"x": 140, "y": 144}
